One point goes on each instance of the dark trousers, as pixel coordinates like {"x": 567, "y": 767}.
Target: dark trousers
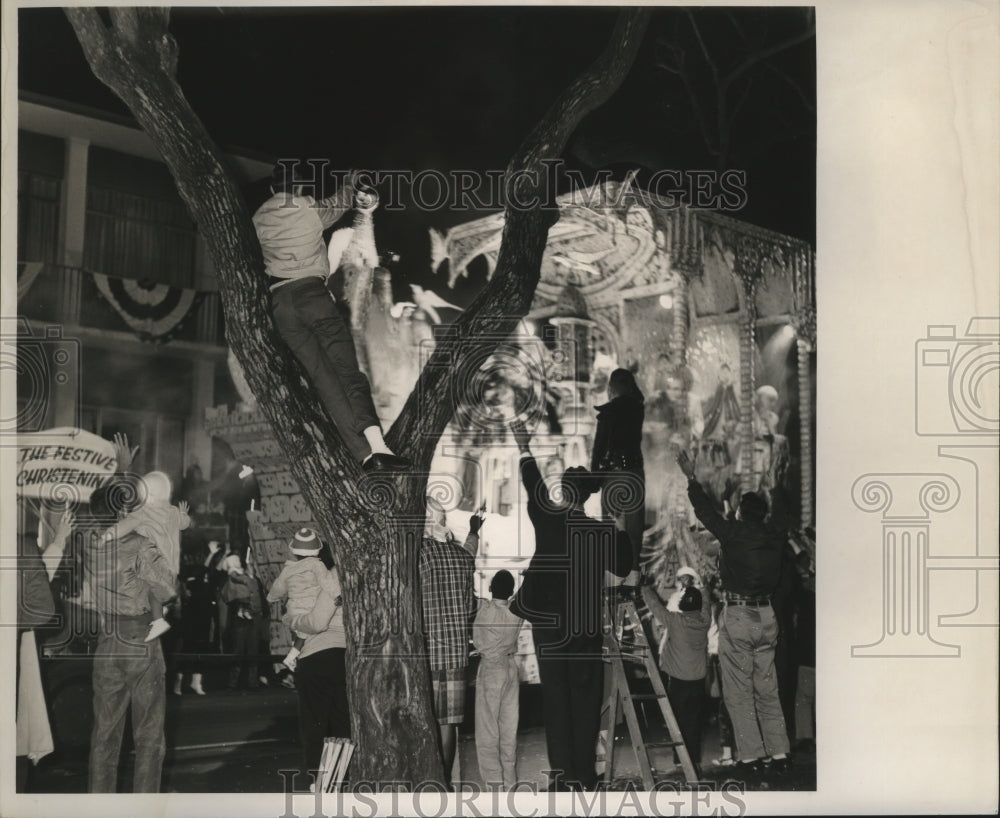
{"x": 314, "y": 330}
{"x": 687, "y": 700}
{"x": 572, "y": 687}
{"x": 127, "y": 672}
{"x": 321, "y": 682}
{"x": 246, "y": 646}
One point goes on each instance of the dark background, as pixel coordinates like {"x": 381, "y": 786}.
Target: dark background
{"x": 459, "y": 88}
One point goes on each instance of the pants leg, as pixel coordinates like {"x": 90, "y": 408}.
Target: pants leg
{"x": 339, "y": 722}
{"x": 489, "y": 691}
{"x": 725, "y": 726}
{"x": 111, "y": 702}
{"x": 558, "y": 714}
{"x": 739, "y": 633}
{"x": 321, "y": 682}
{"x": 509, "y": 715}
{"x": 586, "y": 677}
{"x": 309, "y": 323}
{"x": 767, "y": 702}
{"x": 241, "y": 640}
{"x": 805, "y": 703}
{"x": 146, "y": 678}
{"x": 686, "y": 700}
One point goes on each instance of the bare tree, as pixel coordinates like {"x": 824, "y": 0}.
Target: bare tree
{"x": 719, "y": 72}
{"x": 377, "y": 523}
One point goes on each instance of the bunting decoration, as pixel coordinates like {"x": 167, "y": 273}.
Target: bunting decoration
{"x": 155, "y": 312}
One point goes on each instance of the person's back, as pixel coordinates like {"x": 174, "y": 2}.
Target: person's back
{"x": 494, "y": 633}
{"x": 301, "y": 582}
{"x": 750, "y": 561}
{"x": 290, "y": 230}
{"x": 157, "y": 520}
{"x": 495, "y": 630}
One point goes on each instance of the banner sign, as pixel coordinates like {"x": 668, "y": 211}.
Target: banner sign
{"x": 63, "y": 464}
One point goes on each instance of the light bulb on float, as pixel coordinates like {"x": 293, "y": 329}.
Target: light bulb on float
{"x": 666, "y": 301}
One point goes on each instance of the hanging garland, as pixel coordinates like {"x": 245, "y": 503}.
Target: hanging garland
{"x": 154, "y": 312}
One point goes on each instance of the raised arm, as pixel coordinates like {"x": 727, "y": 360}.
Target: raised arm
{"x": 124, "y": 526}
{"x": 471, "y": 543}
{"x": 703, "y": 507}
{"x": 531, "y": 476}
{"x": 333, "y": 207}
{"x": 183, "y": 518}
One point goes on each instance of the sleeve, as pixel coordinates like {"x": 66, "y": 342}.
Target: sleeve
{"x": 706, "y": 607}
{"x": 534, "y": 485}
{"x": 471, "y": 544}
{"x": 124, "y": 526}
{"x": 705, "y": 511}
{"x": 621, "y": 559}
{"x": 332, "y": 208}
{"x": 153, "y": 569}
{"x": 35, "y": 605}
{"x": 279, "y": 589}
{"x": 318, "y": 619}
{"x": 655, "y": 605}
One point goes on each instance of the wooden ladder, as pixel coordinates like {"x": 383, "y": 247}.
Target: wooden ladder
{"x": 621, "y": 612}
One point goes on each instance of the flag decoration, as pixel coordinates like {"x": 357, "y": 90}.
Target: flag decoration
{"x": 155, "y": 312}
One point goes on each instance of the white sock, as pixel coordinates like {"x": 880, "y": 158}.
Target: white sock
{"x": 373, "y": 434}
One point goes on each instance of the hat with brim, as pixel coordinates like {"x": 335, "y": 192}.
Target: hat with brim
{"x": 305, "y": 543}
{"x": 685, "y": 571}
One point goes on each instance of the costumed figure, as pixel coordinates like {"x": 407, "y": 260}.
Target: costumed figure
{"x": 617, "y": 457}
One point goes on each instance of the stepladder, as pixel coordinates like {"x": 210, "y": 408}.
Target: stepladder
{"x": 625, "y": 643}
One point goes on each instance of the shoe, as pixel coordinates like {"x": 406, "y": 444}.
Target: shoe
{"x": 157, "y": 628}
{"x": 263, "y": 681}
{"x": 778, "y": 766}
{"x": 748, "y": 769}
{"x": 178, "y": 680}
{"x": 196, "y": 684}
{"x": 723, "y": 762}
{"x": 289, "y": 682}
{"x": 383, "y": 461}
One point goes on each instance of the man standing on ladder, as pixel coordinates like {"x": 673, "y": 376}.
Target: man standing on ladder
{"x": 749, "y": 566}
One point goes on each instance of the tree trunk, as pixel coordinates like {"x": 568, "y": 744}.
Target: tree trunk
{"x": 376, "y": 522}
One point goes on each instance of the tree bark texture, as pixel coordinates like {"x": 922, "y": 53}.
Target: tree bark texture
{"x": 375, "y": 522}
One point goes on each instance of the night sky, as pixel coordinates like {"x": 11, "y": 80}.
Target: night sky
{"x": 459, "y": 88}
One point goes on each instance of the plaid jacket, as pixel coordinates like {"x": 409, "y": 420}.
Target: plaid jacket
{"x": 449, "y": 600}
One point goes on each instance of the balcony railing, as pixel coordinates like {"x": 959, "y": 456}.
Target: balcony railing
{"x": 70, "y": 296}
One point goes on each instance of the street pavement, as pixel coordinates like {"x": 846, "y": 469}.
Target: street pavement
{"x": 237, "y": 741}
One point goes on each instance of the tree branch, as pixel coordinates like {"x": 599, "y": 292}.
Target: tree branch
{"x": 806, "y": 99}
{"x": 701, "y": 44}
{"x": 494, "y": 314}
{"x": 752, "y": 59}
{"x": 94, "y": 37}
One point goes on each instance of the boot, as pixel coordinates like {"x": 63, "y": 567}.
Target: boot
{"x": 196, "y": 684}
{"x": 178, "y": 679}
